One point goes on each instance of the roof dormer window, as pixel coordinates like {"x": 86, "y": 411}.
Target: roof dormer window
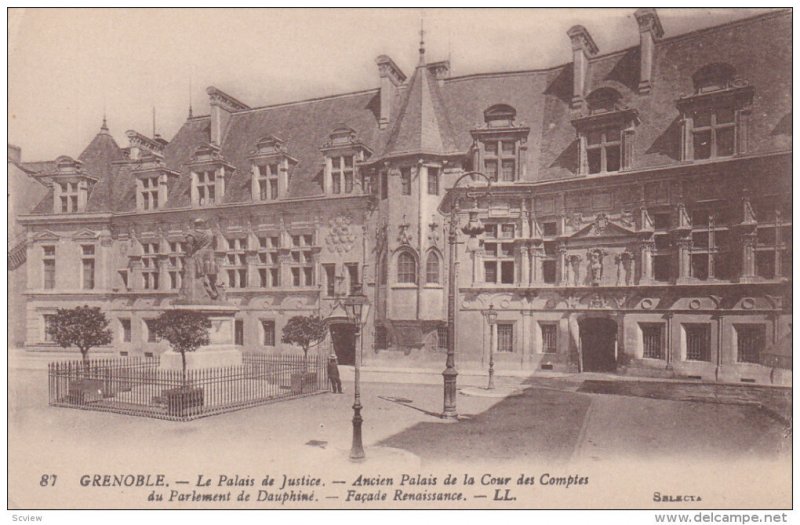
{"x": 71, "y": 185}
{"x": 499, "y": 146}
{"x": 271, "y": 165}
{"x": 152, "y": 180}
{"x": 343, "y": 152}
{"x": 606, "y": 134}
{"x": 715, "y": 119}
{"x": 209, "y": 175}
{"x": 713, "y": 77}
{"x": 500, "y": 116}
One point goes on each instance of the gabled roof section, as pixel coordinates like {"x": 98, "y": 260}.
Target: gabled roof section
{"x": 422, "y": 125}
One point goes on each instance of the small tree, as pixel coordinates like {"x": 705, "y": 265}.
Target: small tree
{"x": 84, "y": 327}
{"x": 304, "y": 332}
{"x": 184, "y": 330}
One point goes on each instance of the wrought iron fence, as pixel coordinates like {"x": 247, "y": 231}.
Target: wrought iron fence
{"x": 137, "y": 386}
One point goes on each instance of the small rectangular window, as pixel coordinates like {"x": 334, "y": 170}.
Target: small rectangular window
{"x": 330, "y": 279}
{"x": 405, "y": 181}
{"x": 433, "y": 181}
{"x": 652, "y": 340}
{"x": 295, "y": 276}
{"x": 47, "y": 319}
{"x": 441, "y": 336}
{"x": 549, "y": 271}
{"x": 268, "y": 329}
{"x": 490, "y": 271}
{"x": 238, "y": 332}
{"x": 549, "y": 229}
{"x": 507, "y": 272}
{"x": 697, "y": 342}
{"x": 505, "y": 337}
{"x": 352, "y": 274}
{"x": 549, "y": 337}
{"x": 150, "y": 325}
{"x": 125, "y": 324}
{"x": 750, "y": 340}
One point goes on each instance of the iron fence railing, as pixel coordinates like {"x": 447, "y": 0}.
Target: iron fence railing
{"x": 137, "y": 386}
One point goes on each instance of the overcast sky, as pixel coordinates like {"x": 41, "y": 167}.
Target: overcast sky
{"x": 65, "y": 66}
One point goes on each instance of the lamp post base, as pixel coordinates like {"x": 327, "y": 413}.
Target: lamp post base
{"x": 450, "y": 375}
{"x": 491, "y": 378}
{"x": 357, "y": 449}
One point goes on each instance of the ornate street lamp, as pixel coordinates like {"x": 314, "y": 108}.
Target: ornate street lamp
{"x": 473, "y": 228}
{"x": 356, "y": 305}
{"x": 491, "y": 318}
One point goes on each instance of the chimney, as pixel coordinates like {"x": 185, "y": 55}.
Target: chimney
{"x": 650, "y": 31}
{"x": 583, "y": 48}
{"x": 391, "y": 78}
{"x": 14, "y": 154}
{"x": 222, "y": 105}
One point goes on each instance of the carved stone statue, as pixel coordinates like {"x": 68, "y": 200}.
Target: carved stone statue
{"x": 595, "y": 265}
{"x": 199, "y": 284}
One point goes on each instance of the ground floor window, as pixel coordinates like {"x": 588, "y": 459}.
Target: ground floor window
{"x": 48, "y": 322}
{"x": 549, "y": 337}
{"x": 749, "y": 342}
{"x": 150, "y": 324}
{"x": 126, "y": 330}
{"x": 652, "y": 340}
{"x": 268, "y": 328}
{"x": 441, "y": 337}
{"x": 698, "y": 344}
{"x": 238, "y": 332}
{"x": 505, "y": 337}
{"x": 381, "y": 338}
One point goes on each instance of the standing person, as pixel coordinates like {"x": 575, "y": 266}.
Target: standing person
{"x": 333, "y": 375}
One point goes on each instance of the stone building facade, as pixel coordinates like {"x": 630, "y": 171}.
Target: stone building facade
{"x": 639, "y": 218}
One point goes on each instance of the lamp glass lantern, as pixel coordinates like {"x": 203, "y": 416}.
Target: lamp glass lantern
{"x": 473, "y": 228}
{"x": 491, "y": 315}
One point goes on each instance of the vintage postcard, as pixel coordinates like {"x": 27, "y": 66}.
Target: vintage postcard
{"x": 400, "y": 259}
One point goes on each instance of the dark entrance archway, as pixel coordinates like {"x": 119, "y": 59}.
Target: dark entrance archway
{"x": 598, "y": 344}
{"x": 344, "y": 343}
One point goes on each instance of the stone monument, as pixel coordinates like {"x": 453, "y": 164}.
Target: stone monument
{"x": 201, "y": 292}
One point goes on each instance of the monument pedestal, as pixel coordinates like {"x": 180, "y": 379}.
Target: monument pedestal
{"x": 221, "y": 350}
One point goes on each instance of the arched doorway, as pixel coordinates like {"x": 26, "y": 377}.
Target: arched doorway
{"x": 344, "y": 343}
{"x": 598, "y": 344}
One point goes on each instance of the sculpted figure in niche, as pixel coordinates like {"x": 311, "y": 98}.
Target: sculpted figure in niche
{"x": 595, "y": 266}
{"x": 199, "y": 283}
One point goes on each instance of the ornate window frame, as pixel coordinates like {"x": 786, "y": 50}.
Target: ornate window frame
{"x": 602, "y": 118}
{"x": 736, "y": 95}
{"x": 270, "y": 166}
{"x": 343, "y": 142}
{"x": 500, "y": 128}
{"x": 208, "y": 159}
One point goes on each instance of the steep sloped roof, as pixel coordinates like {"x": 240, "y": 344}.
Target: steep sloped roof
{"x": 436, "y": 116}
{"x": 422, "y": 126}
{"x": 97, "y": 158}
{"x": 306, "y": 127}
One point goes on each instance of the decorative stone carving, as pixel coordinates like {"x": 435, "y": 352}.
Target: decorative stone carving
{"x": 574, "y": 264}
{"x": 340, "y": 237}
{"x": 600, "y": 224}
{"x": 597, "y": 301}
{"x": 624, "y": 263}
{"x": 594, "y": 259}
{"x": 404, "y": 236}
{"x": 433, "y": 234}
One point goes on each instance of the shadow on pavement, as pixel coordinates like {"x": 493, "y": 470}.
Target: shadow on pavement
{"x": 776, "y": 401}
{"x": 539, "y": 424}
